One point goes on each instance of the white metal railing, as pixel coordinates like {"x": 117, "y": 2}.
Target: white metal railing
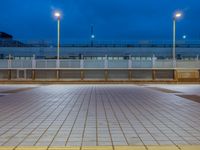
{"x": 63, "y": 63}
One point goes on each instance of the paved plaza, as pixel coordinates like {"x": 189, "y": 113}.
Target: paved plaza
{"x": 99, "y": 115}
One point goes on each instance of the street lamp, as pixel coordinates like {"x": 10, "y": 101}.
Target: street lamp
{"x": 92, "y": 35}
{"x": 175, "y": 17}
{"x": 58, "y": 15}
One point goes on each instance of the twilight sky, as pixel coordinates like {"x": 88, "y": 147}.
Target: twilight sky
{"x": 112, "y": 19}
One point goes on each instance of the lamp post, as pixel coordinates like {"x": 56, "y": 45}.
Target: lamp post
{"x": 175, "y": 17}
{"x": 92, "y": 35}
{"x": 57, "y": 15}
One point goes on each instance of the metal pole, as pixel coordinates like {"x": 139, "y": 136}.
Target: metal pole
{"x": 58, "y": 46}
{"x": 174, "y": 42}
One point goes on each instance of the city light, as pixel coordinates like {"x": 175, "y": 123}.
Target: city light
{"x": 184, "y": 36}
{"x": 57, "y": 14}
{"x": 178, "y": 15}
{"x": 92, "y": 36}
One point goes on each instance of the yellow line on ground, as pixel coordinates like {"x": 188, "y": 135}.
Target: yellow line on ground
{"x": 31, "y": 148}
{"x": 129, "y": 148}
{"x": 65, "y": 148}
{"x": 97, "y": 148}
{"x": 193, "y": 147}
{"x": 179, "y": 147}
{"x": 162, "y": 148}
{"x": 6, "y": 147}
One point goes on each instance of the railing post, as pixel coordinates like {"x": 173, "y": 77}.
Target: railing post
{"x": 9, "y": 61}
{"x": 82, "y": 62}
{"x": 130, "y": 62}
{"x": 175, "y": 75}
{"x": 106, "y": 62}
{"x": 174, "y": 63}
{"x": 153, "y": 74}
{"x": 45, "y": 63}
{"x": 57, "y": 63}
{"x": 57, "y": 74}
{"x": 9, "y": 74}
{"x": 33, "y": 74}
{"x": 153, "y": 61}
{"x": 106, "y": 74}
{"x": 17, "y": 74}
{"x": 33, "y": 62}
{"x": 82, "y": 74}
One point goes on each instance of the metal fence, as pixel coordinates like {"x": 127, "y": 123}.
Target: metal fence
{"x": 80, "y": 63}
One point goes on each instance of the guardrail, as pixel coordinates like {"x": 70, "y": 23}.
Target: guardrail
{"x": 42, "y": 63}
{"x": 99, "y": 70}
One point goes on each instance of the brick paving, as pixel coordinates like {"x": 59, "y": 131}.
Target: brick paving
{"x": 97, "y": 115}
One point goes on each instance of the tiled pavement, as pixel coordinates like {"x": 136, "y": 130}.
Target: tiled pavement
{"x": 98, "y": 115}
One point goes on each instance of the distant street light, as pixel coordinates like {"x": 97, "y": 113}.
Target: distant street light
{"x": 92, "y": 35}
{"x": 175, "y": 17}
{"x": 58, "y": 15}
{"x": 184, "y": 37}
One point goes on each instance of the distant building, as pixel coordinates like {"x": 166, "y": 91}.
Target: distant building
{"x": 6, "y": 40}
{"x": 5, "y": 36}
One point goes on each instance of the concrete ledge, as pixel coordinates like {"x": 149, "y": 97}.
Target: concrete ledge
{"x": 95, "y": 75}
{"x": 95, "y": 81}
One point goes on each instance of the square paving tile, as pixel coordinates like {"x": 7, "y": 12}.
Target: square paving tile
{"x": 103, "y": 115}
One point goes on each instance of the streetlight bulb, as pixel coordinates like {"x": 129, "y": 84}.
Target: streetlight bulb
{"x": 57, "y": 14}
{"x": 93, "y": 36}
{"x": 178, "y": 15}
{"x": 184, "y": 37}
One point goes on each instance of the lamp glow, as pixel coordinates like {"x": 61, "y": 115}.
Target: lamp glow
{"x": 178, "y": 15}
{"x": 184, "y": 36}
{"x": 57, "y": 14}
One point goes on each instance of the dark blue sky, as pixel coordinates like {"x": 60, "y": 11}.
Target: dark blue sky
{"x": 113, "y": 19}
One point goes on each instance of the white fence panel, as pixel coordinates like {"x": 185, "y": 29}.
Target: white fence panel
{"x": 94, "y": 64}
{"x": 163, "y": 64}
{"x": 142, "y": 64}
{"x": 3, "y": 63}
{"x": 69, "y": 63}
{"x": 117, "y": 63}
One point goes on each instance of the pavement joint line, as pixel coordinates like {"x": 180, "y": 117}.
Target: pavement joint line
{"x": 166, "y": 118}
{"x": 128, "y": 119}
{"x": 34, "y": 128}
{"x": 150, "y": 147}
{"x": 75, "y": 118}
{"x": 67, "y": 104}
{"x": 107, "y": 122}
{"x": 178, "y": 124}
{"x": 28, "y": 123}
{"x": 115, "y": 115}
{"x": 38, "y": 124}
{"x": 154, "y": 124}
{"x": 131, "y": 111}
{"x": 170, "y": 120}
{"x": 86, "y": 118}
{"x": 65, "y": 119}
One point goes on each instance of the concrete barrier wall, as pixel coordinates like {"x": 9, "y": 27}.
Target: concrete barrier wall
{"x": 94, "y": 75}
{"x": 186, "y": 75}
{"x": 142, "y": 74}
{"x": 70, "y": 74}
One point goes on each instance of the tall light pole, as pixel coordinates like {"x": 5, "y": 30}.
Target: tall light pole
{"x": 175, "y": 17}
{"x": 92, "y": 35}
{"x": 57, "y": 15}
